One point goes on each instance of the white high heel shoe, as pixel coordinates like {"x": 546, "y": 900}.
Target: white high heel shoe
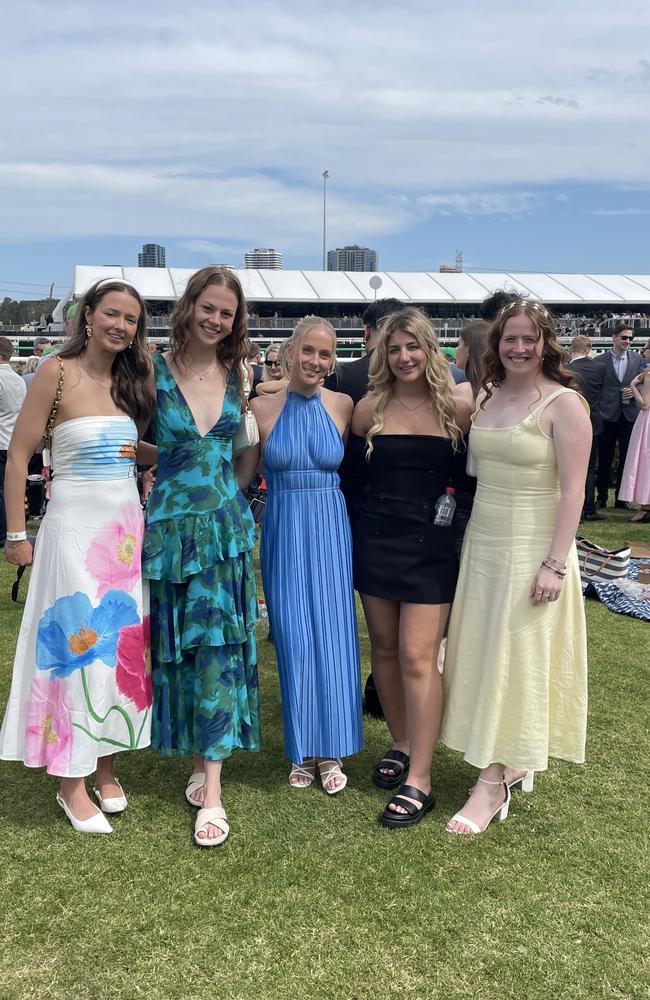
{"x": 116, "y": 804}
{"x": 96, "y": 824}
{"x": 525, "y": 783}
{"x": 501, "y": 812}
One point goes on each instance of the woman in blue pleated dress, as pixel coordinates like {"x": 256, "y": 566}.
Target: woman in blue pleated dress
{"x": 198, "y": 548}
{"x": 307, "y": 565}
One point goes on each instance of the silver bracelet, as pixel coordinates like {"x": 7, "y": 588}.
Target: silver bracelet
{"x": 16, "y": 536}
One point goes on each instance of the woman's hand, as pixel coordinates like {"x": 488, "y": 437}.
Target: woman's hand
{"x": 546, "y": 586}
{"x": 19, "y": 553}
{"x": 148, "y": 481}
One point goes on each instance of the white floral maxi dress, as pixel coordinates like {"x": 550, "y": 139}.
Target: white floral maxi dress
{"x": 81, "y": 686}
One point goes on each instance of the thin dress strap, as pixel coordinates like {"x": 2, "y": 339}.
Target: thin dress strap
{"x": 477, "y": 406}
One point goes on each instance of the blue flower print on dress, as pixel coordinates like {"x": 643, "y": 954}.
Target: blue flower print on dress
{"x": 108, "y": 455}
{"x": 72, "y": 633}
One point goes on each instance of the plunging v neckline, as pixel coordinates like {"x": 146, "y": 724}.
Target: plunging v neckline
{"x": 189, "y": 408}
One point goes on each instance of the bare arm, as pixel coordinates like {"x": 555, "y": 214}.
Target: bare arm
{"x": 571, "y": 432}
{"x": 464, "y": 406}
{"x": 361, "y": 420}
{"x": 147, "y": 453}
{"x": 245, "y": 466}
{"x": 340, "y": 407}
{"x": 642, "y": 396}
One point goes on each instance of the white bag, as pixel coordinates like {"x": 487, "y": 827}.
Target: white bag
{"x": 248, "y": 433}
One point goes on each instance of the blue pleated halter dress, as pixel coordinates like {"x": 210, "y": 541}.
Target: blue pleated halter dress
{"x": 307, "y": 574}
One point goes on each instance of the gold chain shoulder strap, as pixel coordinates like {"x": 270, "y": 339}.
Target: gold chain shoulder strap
{"x": 47, "y": 437}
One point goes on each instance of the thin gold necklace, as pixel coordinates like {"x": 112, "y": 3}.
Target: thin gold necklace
{"x": 202, "y": 375}
{"x": 104, "y": 384}
{"x": 408, "y": 408}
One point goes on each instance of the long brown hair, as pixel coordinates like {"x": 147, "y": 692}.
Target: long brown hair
{"x": 230, "y": 351}
{"x": 474, "y": 336}
{"x": 130, "y": 389}
{"x": 553, "y": 356}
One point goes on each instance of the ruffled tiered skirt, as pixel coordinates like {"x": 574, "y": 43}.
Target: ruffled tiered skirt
{"x": 203, "y": 610}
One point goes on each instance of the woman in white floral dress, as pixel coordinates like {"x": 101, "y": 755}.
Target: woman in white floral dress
{"x": 81, "y": 688}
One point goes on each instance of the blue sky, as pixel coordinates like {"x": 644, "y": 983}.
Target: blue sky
{"x": 516, "y": 134}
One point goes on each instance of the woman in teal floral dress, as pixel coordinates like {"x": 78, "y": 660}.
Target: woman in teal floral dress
{"x": 198, "y": 550}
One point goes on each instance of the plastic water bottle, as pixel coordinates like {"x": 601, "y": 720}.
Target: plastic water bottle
{"x": 445, "y": 507}
{"x": 262, "y": 608}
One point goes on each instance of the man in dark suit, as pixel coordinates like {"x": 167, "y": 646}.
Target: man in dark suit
{"x": 618, "y": 408}
{"x": 589, "y": 375}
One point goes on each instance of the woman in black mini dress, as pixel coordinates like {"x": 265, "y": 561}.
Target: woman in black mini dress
{"x": 405, "y": 566}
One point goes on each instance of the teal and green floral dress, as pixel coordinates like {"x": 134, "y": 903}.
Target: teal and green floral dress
{"x": 198, "y": 555}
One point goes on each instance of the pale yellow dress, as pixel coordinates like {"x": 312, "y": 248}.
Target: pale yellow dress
{"x": 515, "y": 675}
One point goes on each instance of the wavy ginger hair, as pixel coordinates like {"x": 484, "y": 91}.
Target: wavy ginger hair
{"x": 381, "y": 380}
{"x": 553, "y": 356}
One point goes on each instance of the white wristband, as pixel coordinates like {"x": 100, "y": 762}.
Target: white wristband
{"x": 16, "y": 536}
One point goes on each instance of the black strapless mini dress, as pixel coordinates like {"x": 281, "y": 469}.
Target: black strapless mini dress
{"x": 399, "y": 554}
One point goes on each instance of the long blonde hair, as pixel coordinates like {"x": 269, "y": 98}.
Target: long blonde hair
{"x": 381, "y": 380}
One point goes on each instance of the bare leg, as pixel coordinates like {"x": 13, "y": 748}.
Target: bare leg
{"x": 105, "y": 780}
{"x": 383, "y": 619}
{"x": 75, "y": 794}
{"x": 197, "y": 765}
{"x": 211, "y": 794}
{"x": 420, "y": 632}
{"x": 483, "y": 800}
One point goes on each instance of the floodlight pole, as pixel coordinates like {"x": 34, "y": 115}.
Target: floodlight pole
{"x": 326, "y": 174}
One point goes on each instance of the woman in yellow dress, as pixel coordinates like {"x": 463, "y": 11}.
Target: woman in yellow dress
{"x": 515, "y": 675}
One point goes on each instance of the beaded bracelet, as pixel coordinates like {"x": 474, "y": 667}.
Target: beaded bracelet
{"x": 561, "y": 573}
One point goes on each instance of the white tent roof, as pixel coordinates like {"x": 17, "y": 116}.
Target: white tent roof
{"x": 313, "y": 287}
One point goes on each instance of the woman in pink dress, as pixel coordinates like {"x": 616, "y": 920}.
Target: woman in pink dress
{"x": 635, "y": 484}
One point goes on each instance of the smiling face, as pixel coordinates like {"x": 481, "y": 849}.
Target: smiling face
{"x": 213, "y": 316}
{"x": 406, "y": 358}
{"x": 521, "y": 346}
{"x": 622, "y": 341}
{"x": 114, "y": 321}
{"x": 312, "y": 357}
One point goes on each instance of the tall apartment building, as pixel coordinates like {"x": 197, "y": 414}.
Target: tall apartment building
{"x": 352, "y": 258}
{"x": 152, "y": 255}
{"x": 265, "y": 258}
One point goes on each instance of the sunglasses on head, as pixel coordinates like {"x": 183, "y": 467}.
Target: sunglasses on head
{"x": 272, "y": 364}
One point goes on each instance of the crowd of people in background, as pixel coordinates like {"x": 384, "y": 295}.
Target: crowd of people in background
{"x": 446, "y": 491}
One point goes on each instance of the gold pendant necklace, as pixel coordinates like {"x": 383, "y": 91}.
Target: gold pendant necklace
{"x": 408, "y": 408}
{"x": 202, "y": 375}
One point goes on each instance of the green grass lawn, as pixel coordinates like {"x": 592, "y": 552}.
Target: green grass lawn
{"x": 311, "y": 898}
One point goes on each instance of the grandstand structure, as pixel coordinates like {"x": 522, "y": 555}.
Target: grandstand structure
{"x": 277, "y": 298}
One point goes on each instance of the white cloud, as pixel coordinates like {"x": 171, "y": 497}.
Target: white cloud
{"x": 177, "y": 121}
{"x": 487, "y": 203}
{"x": 620, "y": 211}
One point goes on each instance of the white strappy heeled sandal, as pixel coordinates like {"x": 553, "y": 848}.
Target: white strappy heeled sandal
{"x": 329, "y": 769}
{"x": 501, "y": 812}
